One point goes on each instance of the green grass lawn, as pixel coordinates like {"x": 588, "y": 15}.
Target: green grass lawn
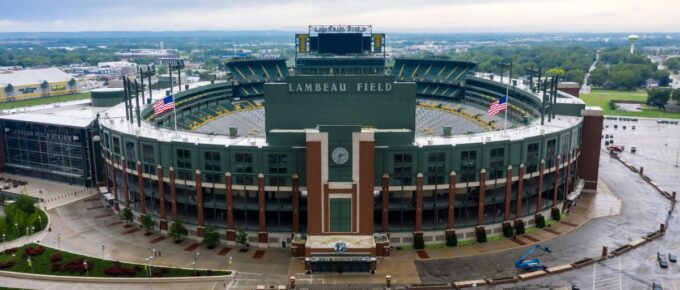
{"x": 601, "y": 98}
{"x": 43, "y": 264}
{"x": 43, "y": 101}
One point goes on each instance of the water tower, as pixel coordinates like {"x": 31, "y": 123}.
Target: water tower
{"x": 632, "y": 39}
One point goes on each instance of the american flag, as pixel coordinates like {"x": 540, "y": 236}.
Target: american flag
{"x": 163, "y": 105}
{"x": 498, "y": 106}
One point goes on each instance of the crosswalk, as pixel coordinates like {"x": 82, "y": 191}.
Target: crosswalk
{"x": 607, "y": 275}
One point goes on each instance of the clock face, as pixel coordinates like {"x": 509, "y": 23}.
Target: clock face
{"x": 340, "y": 155}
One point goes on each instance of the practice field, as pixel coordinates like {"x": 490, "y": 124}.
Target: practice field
{"x": 43, "y": 101}
{"x": 601, "y": 98}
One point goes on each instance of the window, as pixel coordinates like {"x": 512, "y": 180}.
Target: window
{"x": 244, "y": 168}
{"x": 148, "y": 155}
{"x": 107, "y": 142}
{"x": 564, "y": 147}
{"x": 116, "y": 145}
{"x": 436, "y": 167}
{"x": 278, "y": 168}
{"x": 403, "y": 165}
{"x": 184, "y": 164}
{"x": 532, "y": 157}
{"x": 496, "y": 163}
{"x": 468, "y": 165}
{"x": 341, "y": 215}
{"x": 551, "y": 153}
{"x": 213, "y": 168}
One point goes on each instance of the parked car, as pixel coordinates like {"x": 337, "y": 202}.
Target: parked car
{"x": 632, "y": 127}
{"x": 663, "y": 263}
{"x": 633, "y": 149}
{"x": 616, "y": 148}
{"x": 672, "y": 258}
{"x": 656, "y": 286}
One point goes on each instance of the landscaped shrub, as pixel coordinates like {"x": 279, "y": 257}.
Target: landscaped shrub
{"x": 480, "y": 233}
{"x": 56, "y": 257}
{"x": 418, "y": 242}
{"x": 7, "y": 265}
{"x": 33, "y": 251}
{"x": 56, "y": 267}
{"x": 540, "y": 221}
{"x": 10, "y": 250}
{"x": 452, "y": 240}
{"x": 77, "y": 266}
{"x": 117, "y": 270}
{"x": 555, "y": 214}
{"x": 507, "y": 230}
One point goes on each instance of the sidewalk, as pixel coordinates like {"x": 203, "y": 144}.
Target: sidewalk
{"x": 54, "y": 193}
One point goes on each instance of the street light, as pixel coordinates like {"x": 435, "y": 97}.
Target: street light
{"x": 103, "y": 247}
{"x": 86, "y": 269}
{"x": 149, "y": 261}
{"x": 59, "y": 241}
{"x": 30, "y": 264}
{"x": 39, "y": 221}
{"x": 28, "y": 233}
{"x": 194, "y": 262}
{"x": 3, "y": 237}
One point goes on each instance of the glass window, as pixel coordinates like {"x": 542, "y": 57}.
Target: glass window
{"x": 532, "y": 157}
{"x": 496, "y": 163}
{"x": 468, "y": 165}
{"x": 403, "y": 169}
{"x": 184, "y": 164}
{"x": 148, "y": 155}
{"x": 278, "y": 168}
{"x": 212, "y": 167}
{"x": 436, "y": 167}
{"x": 551, "y": 153}
{"x": 341, "y": 215}
{"x": 244, "y": 168}
{"x": 116, "y": 145}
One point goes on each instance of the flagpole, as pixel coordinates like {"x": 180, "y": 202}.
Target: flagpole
{"x": 507, "y": 99}
{"x": 174, "y": 112}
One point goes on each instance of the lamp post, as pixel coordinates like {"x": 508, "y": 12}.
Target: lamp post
{"x": 149, "y": 261}
{"x": 103, "y": 247}
{"x": 16, "y": 226}
{"x": 194, "y": 262}
{"x": 28, "y": 233}
{"x": 59, "y": 241}
{"x": 86, "y": 269}
{"x": 30, "y": 263}
{"x": 39, "y": 222}
{"x": 3, "y": 237}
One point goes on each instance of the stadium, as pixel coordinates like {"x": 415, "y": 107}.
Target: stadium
{"x": 343, "y": 150}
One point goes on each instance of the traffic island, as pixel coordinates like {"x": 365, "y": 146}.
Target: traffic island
{"x": 38, "y": 259}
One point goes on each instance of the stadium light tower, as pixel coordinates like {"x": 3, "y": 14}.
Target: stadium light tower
{"x": 632, "y": 39}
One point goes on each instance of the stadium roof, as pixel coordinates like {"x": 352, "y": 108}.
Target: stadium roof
{"x": 33, "y": 76}
{"x": 79, "y": 114}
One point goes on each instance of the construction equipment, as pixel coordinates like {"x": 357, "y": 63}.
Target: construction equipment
{"x": 532, "y": 264}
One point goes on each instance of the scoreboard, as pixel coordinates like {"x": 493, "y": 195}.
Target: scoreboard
{"x": 340, "y": 40}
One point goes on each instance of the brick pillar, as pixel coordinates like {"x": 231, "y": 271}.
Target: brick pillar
{"x": 508, "y": 192}
{"x": 140, "y": 188}
{"x": 591, "y": 140}
{"x": 419, "y": 202}
{"x": 163, "y": 224}
{"x": 520, "y": 189}
{"x": 482, "y": 189}
{"x": 451, "y": 214}
{"x": 385, "y": 208}
{"x": 296, "y": 203}
{"x": 106, "y": 172}
{"x": 173, "y": 192}
{"x": 113, "y": 179}
{"x": 567, "y": 181}
{"x": 200, "y": 229}
{"x": 126, "y": 189}
{"x": 539, "y": 198}
{"x": 556, "y": 180}
{"x": 262, "y": 234}
{"x": 231, "y": 232}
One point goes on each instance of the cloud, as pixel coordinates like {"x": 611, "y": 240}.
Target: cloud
{"x": 384, "y": 15}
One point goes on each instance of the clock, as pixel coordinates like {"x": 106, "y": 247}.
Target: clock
{"x": 340, "y": 155}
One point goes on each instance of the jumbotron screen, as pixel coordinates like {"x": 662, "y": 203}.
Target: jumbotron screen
{"x": 340, "y": 43}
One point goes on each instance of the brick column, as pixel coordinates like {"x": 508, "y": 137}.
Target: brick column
{"x": 231, "y": 232}
{"x": 385, "y": 198}
{"x": 200, "y": 229}
{"x": 173, "y": 192}
{"x": 296, "y": 203}
{"x": 591, "y": 140}
{"x": 163, "y": 224}
{"x": 480, "y": 206}
{"x": 520, "y": 189}
{"x": 539, "y": 198}
{"x": 140, "y": 188}
{"x": 126, "y": 189}
{"x": 113, "y": 179}
{"x": 418, "y": 234}
{"x": 106, "y": 172}
{"x": 508, "y": 192}
{"x": 567, "y": 181}
{"x": 556, "y": 181}
{"x": 451, "y": 214}
{"x": 262, "y": 237}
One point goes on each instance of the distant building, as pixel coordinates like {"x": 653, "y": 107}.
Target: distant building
{"x": 571, "y": 88}
{"x": 31, "y": 83}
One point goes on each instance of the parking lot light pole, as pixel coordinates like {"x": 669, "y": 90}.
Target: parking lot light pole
{"x": 59, "y": 241}
{"x": 103, "y": 247}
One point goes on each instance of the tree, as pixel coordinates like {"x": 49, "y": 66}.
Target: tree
{"x": 241, "y": 238}
{"x": 598, "y": 76}
{"x": 127, "y": 215}
{"x": 148, "y": 223}
{"x": 177, "y": 231}
{"x": 211, "y": 238}
{"x": 555, "y": 72}
{"x": 25, "y": 204}
{"x": 658, "y": 97}
{"x": 45, "y": 86}
{"x": 72, "y": 85}
{"x": 9, "y": 90}
{"x": 673, "y": 63}
{"x": 675, "y": 94}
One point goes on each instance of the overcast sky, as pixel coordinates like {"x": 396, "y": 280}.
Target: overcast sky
{"x": 384, "y": 15}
